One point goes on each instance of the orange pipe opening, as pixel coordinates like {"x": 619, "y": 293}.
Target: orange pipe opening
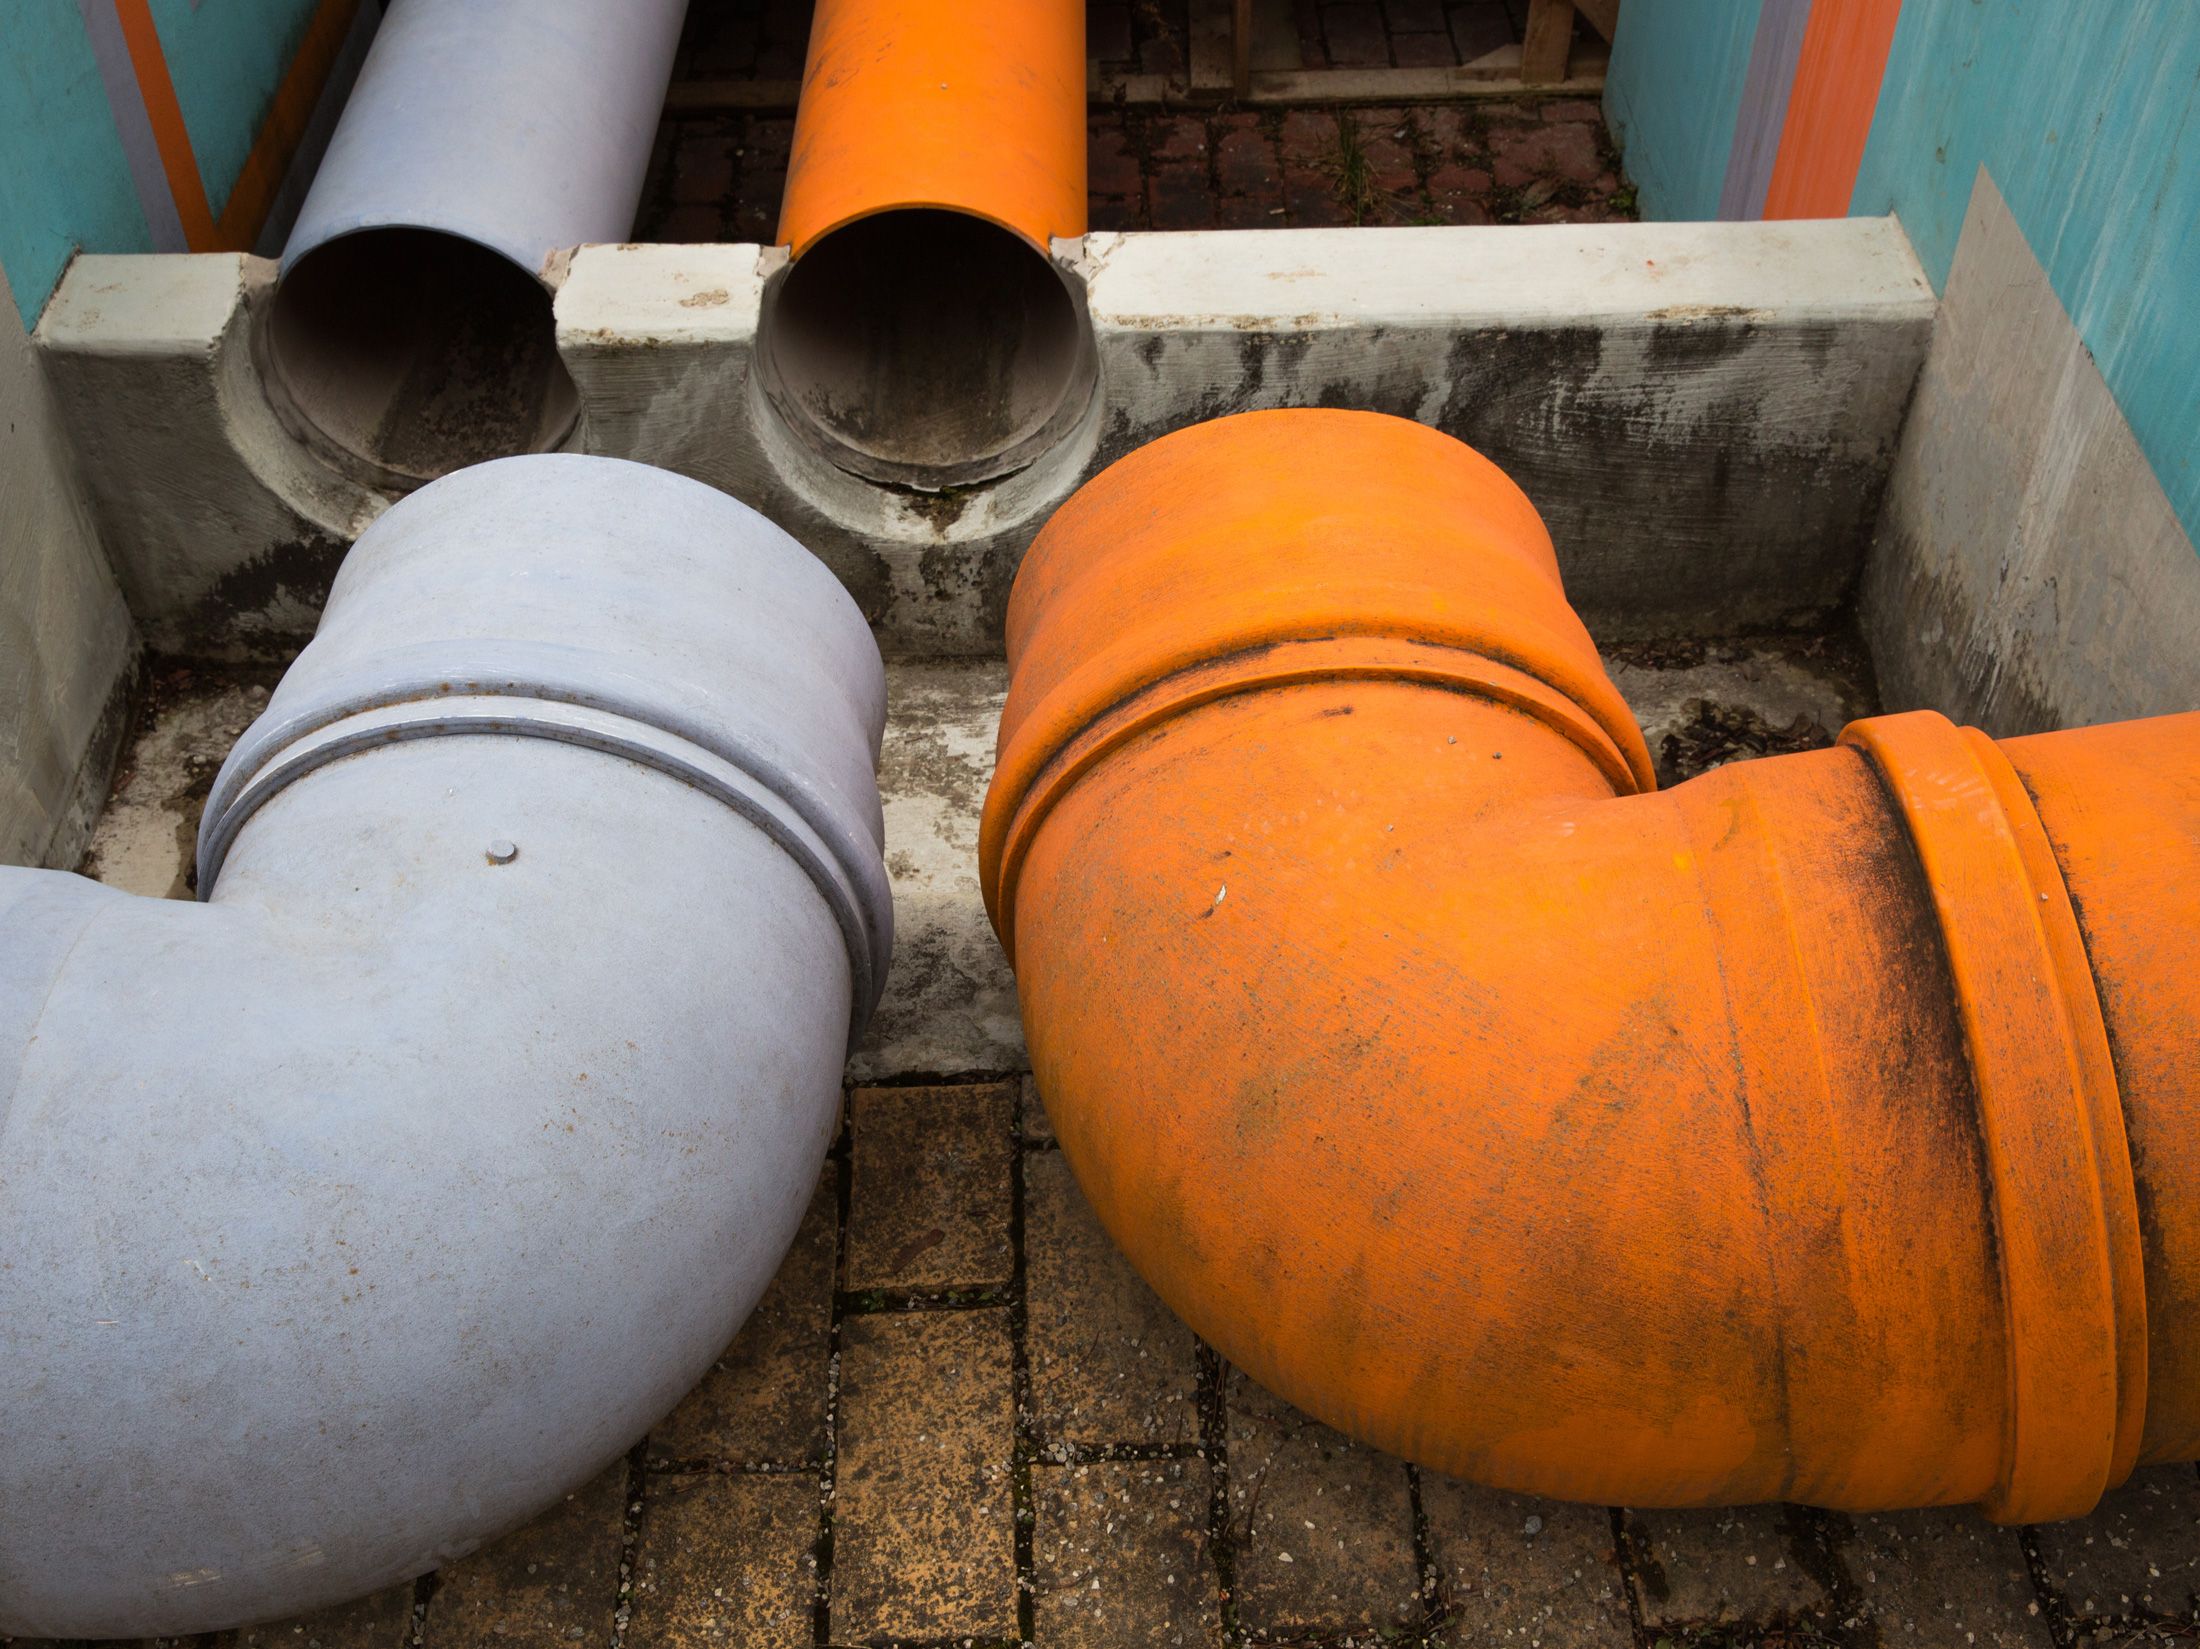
{"x": 922, "y": 334}
{"x": 1819, "y": 1130}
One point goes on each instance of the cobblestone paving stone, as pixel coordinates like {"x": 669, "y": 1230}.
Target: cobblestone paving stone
{"x": 1322, "y": 1526}
{"x": 1746, "y": 1563}
{"x": 924, "y": 1506}
{"x": 931, "y": 1201}
{"x": 766, "y": 1397}
{"x": 720, "y": 178}
{"x": 1515, "y": 1568}
{"x": 1941, "y": 1576}
{"x": 725, "y": 1559}
{"x": 1110, "y": 1363}
{"x": 1032, "y": 1120}
{"x": 553, "y": 1582}
{"x": 1119, "y": 1555}
{"x": 2136, "y": 1559}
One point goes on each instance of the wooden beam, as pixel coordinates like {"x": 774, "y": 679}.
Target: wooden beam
{"x": 1241, "y": 50}
{"x": 1603, "y": 15}
{"x": 1550, "y": 38}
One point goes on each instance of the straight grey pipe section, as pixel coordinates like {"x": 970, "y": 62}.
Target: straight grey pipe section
{"x": 522, "y": 125}
{"x": 359, "y": 1212}
{"x": 411, "y": 332}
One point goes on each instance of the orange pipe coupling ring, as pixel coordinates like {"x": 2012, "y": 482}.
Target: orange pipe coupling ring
{"x": 923, "y": 335}
{"x": 1823, "y": 1129}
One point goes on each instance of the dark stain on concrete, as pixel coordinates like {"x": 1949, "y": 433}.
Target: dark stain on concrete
{"x": 298, "y": 572}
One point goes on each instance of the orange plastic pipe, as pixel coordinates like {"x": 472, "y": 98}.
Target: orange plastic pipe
{"x": 975, "y": 108}
{"x": 1822, "y": 1129}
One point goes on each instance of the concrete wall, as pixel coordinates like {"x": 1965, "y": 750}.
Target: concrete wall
{"x": 2088, "y": 118}
{"x": 2030, "y": 570}
{"x": 1706, "y": 414}
{"x": 66, "y": 642}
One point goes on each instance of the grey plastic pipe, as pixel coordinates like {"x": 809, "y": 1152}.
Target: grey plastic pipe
{"x": 358, "y": 1213}
{"x": 411, "y": 333}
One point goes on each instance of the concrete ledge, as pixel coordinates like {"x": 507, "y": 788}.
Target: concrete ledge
{"x": 223, "y": 532}
{"x": 1705, "y": 413}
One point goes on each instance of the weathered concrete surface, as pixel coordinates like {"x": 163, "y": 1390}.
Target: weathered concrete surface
{"x": 950, "y": 1002}
{"x": 2136, "y": 1557}
{"x": 1944, "y": 1576}
{"x": 66, "y": 641}
{"x": 146, "y": 840}
{"x": 2028, "y": 571}
{"x": 223, "y": 530}
{"x": 1705, "y": 413}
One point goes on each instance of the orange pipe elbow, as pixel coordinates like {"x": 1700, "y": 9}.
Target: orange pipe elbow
{"x": 1820, "y": 1130}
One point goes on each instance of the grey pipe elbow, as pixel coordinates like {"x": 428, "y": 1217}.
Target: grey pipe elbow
{"x": 356, "y": 1214}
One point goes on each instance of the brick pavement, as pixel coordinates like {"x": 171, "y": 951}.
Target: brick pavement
{"x": 1004, "y": 1439}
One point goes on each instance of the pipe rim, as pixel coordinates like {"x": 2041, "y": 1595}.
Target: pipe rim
{"x": 1042, "y": 772}
{"x": 284, "y": 342}
{"x": 2046, "y": 1088}
{"x": 801, "y": 396}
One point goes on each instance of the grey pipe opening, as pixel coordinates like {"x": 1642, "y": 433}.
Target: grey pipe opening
{"x": 926, "y": 348}
{"x": 403, "y": 354}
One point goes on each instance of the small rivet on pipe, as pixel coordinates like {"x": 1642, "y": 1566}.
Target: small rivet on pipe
{"x": 502, "y": 852}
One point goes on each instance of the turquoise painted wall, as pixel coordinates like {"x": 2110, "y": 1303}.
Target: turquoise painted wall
{"x": 2087, "y": 115}
{"x": 65, "y": 185}
{"x": 226, "y": 58}
{"x": 1672, "y": 95}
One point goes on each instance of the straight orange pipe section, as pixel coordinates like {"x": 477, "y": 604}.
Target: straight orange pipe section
{"x": 1822, "y": 1129}
{"x": 967, "y": 107}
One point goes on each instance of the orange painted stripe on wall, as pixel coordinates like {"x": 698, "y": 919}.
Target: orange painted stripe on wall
{"x": 166, "y": 115}
{"x": 272, "y": 151}
{"x": 285, "y": 126}
{"x": 1829, "y": 114}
